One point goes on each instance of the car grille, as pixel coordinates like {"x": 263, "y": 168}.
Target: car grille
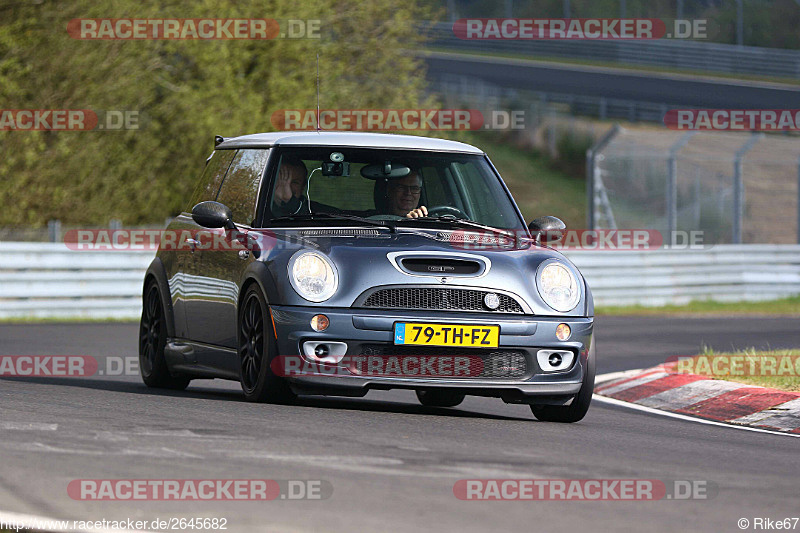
{"x": 497, "y": 363}
{"x": 439, "y": 299}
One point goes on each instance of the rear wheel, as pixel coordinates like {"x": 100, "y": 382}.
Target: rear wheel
{"x": 152, "y": 339}
{"x": 580, "y": 404}
{"x": 257, "y": 349}
{"x": 439, "y": 398}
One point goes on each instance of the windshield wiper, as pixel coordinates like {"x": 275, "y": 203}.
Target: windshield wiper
{"x": 334, "y": 216}
{"x": 465, "y": 222}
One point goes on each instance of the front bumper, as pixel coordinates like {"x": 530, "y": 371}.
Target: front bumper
{"x": 366, "y": 329}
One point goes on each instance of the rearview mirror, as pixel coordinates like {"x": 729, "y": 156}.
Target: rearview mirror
{"x": 547, "y": 229}
{"x": 385, "y": 171}
{"x": 213, "y": 215}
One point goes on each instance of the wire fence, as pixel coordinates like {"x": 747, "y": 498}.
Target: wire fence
{"x": 456, "y": 88}
{"x": 733, "y": 187}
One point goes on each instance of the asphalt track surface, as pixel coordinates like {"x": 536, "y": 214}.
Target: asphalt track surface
{"x": 671, "y": 89}
{"x": 391, "y": 462}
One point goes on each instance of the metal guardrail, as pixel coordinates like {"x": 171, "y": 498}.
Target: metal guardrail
{"x": 45, "y": 280}
{"x": 476, "y": 89}
{"x": 724, "y": 273}
{"x": 39, "y": 280}
{"x": 678, "y": 54}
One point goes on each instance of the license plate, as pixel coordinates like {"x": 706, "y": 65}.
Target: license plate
{"x": 421, "y": 334}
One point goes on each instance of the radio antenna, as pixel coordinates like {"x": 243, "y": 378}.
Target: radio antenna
{"x": 317, "y": 91}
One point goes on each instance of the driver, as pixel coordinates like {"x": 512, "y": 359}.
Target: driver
{"x": 403, "y": 195}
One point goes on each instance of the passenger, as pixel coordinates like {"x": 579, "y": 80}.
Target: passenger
{"x": 289, "y": 197}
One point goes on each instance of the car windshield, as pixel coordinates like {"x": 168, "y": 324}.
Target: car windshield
{"x": 388, "y": 185}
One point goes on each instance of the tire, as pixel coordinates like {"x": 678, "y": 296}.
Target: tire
{"x": 257, "y": 349}
{"x": 579, "y": 406}
{"x": 439, "y": 398}
{"x": 152, "y": 340}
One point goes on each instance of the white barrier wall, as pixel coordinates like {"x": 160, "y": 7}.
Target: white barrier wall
{"x": 724, "y": 273}
{"x": 40, "y": 280}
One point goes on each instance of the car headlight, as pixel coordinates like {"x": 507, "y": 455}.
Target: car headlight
{"x": 313, "y": 276}
{"x": 558, "y": 287}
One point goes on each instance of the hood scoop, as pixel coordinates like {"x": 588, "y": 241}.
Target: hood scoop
{"x": 441, "y": 266}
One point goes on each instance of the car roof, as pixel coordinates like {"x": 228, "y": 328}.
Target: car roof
{"x": 346, "y": 139}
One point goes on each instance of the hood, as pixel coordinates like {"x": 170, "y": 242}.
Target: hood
{"x": 367, "y": 258}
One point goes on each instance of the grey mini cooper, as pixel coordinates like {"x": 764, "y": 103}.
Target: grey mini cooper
{"x": 337, "y": 263}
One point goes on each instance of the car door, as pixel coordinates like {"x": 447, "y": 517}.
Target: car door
{"x": 180, "y": 255}
{"x": 213, "y": 317}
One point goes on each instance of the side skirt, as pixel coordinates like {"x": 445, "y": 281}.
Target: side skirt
{"x": 198, "y": 360}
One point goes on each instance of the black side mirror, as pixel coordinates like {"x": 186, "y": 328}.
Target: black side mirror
{"x": 213, "y": 215}
{"x": 547, "y": 229}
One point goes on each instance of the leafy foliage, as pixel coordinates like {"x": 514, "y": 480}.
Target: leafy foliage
{"x": 186, "y": 91}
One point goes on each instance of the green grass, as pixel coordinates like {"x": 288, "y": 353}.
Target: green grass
{"x": 784, "y": 306}
{"x": 537, "y": 188}
{"x": 786, "y": 377}
{"x": 632, "y": 68}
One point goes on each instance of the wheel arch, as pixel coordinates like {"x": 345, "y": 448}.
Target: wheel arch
{"x": 257, "y": 273}
{"x": 589, "y": 299}
{"x": 156, "y": 272}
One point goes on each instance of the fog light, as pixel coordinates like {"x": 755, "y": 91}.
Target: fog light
{"x": 325, "y": 351}
{"x": 321, "y": 350}
{"x": 320, "y": 322}
{"x": 563, "y": 332}
{"x": 554, "y": 360}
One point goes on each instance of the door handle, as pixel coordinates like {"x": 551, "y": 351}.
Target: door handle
{"x": 192, "y": 243}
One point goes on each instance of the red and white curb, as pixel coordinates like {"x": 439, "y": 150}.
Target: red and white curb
{"x": 661, "y": 388}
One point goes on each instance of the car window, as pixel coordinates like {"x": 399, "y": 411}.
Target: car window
{"x": 212, "y": 177}
{"x": 356, "y": 189}
{"x": 308, "y": 180}
{"x": 481, "y": 200}
{"x": 433, "y": 191}
{"x": 239, "y": 189}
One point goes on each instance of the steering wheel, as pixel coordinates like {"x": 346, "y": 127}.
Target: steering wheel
{"x": 442, "y": 210}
